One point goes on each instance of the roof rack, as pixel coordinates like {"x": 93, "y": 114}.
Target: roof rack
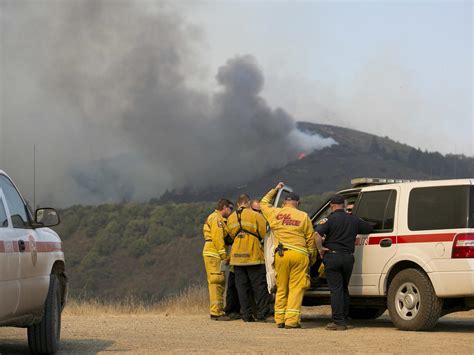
{"x": 365, "y": 181}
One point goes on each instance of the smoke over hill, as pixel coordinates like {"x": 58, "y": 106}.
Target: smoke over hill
{"x": 103, "y": 89}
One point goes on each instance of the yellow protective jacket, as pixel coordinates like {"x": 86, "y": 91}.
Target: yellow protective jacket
{"x": 246, "y": 234}
{"x": 291, "y": 227}
{"x": 214, "y": 231}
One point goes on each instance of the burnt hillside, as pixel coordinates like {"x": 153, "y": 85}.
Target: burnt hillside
{"x": 357, "y": 154}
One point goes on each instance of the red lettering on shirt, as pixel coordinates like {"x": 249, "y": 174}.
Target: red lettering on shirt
{"x": 287, "y": 220}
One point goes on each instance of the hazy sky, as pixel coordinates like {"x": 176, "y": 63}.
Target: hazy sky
{"x": 398, "y": 68}
{"x": 107, "y": 89}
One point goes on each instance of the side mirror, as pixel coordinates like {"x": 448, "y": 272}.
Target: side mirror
{"x": 46, "y": 217}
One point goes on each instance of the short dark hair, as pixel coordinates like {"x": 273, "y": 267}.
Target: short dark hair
{"x": 223, "y": 202}
{"x": 243, "y": 199}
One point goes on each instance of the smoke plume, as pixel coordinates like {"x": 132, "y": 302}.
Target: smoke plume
{"x": 103, "y": 89}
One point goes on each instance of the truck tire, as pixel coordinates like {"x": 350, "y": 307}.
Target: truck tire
{"x": 366, "y": 312}
{"x": 43, "y": 338}
{"x": 412, "y": 302}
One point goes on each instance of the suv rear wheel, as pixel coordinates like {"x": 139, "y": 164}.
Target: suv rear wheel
{"x": 43, "y": 338}
{"x": 412, "y": 302}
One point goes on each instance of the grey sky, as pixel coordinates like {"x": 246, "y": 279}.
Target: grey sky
{"x": 398, "y": 68}
{"x": 126, "y": 99}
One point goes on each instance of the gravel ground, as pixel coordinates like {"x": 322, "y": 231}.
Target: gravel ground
{"x": 160, "y": 333}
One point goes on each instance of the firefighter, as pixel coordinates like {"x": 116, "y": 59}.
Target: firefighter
{"x": 214, "y": 253}
{"x": 337, "y": 251}
{"x": 247, "y": 228}
{"x": 293, "y": 234}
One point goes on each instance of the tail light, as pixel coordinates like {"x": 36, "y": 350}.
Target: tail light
{"x": 463, "y": 246}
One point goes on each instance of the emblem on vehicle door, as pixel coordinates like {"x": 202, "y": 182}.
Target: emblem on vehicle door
{"x": 33, "y": 249}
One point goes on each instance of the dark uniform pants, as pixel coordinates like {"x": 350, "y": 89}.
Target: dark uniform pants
{"x": 338, "y": 273}
{"x": 232, "y": 304}
{"x": 252, "y": 279}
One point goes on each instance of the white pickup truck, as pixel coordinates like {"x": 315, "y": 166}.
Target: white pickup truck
{"x": 33, "y": 282}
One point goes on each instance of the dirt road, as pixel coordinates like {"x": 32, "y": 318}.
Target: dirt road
{"x": 160, "y": 333}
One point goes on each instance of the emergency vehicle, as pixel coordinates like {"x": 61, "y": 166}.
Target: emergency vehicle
{"x": 33, "y": 282}
{"x": 419, "y": 260}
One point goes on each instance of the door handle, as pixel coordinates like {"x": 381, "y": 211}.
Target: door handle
{"x": 385, "y": 243}
{"x": 21, "y": 246}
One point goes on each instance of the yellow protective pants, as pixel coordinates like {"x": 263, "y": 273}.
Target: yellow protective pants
{"x": 216, "y": 284}
{"x": 292, "y": 279}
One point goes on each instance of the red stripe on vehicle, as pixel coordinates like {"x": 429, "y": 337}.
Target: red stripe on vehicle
{"x": 426, "y": 238}
{"x": 41, "y": 247}
{"x": 412, "y": 238}
{"x": 376, "y": 240}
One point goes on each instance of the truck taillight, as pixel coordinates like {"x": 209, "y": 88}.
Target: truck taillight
{"x": 463, "y": 246}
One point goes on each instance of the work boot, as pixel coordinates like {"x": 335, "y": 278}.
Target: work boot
{"x": 234, "y": 315}
{"x": 297, "y": 326}
{"x": 248, "y": 319}
{"x": 268, "y": 319}
{"x": 281, "y": 325}
{"x": 334, "y": 326}
{"x": 220, "y": 318}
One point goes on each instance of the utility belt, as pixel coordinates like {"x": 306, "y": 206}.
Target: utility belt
{"x": 280, "y": 249}
{"x": 340, "y": 252}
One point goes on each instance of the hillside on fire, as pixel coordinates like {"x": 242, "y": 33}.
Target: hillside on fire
{"x": 153, "y": 249}
{"x": 356, "y": 154}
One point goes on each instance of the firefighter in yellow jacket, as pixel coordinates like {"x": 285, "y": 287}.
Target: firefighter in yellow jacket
{"x": 214, "y": 252}
{"x": 293, "y": 233}
{"x": 247, "y": 228}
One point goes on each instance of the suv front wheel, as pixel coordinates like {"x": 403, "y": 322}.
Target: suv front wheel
{"x": 43, "y": 338}
{"x": 412, "y": 302}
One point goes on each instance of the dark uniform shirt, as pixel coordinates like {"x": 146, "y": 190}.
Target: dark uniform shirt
{"x": 341, "y": 230}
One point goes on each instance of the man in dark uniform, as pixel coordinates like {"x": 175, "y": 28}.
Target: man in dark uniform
{"x": 337, "y": 250}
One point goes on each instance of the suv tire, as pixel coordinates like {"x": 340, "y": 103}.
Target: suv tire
{"x": 43, "y": 338}
{"x": 412, "y": 302}
{"x": 366, "y": 312}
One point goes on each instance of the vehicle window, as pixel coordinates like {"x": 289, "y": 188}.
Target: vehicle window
{"x": 18, "y": 212}
{"x": 323, "y": 214}
{"x": 439, "y": 207}
{"x": 377, "y": 208}
{"x": 3, "y": 215}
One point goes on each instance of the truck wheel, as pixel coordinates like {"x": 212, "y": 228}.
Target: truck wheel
{"x": 43, "y": 338}
{"x": 412, "y": 302}
{"x": 366, "y": 312}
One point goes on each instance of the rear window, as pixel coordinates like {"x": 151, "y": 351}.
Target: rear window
{"x": 440, "y": 207}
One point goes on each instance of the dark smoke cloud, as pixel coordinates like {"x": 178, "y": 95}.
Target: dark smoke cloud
{"x": 103, "y": 89}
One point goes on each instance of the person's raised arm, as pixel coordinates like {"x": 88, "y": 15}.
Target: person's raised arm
{"x": 266, "y": 202}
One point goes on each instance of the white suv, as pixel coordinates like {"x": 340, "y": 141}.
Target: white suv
{"x": 419, "y": 260}
{"x": 33, "y": 283}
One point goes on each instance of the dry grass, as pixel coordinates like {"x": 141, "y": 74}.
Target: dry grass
{"x": 193, "y": 300}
